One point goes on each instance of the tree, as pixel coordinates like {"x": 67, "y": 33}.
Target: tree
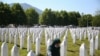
{"x": 43, "y": 18}
{"x": 5, "y": 14}
{"x": 96, "y": 19}
{"x": 32, "y": 16}
{"x": 47, "y": 17}
{"x": 58, "y": 20}
{"x": 85, "y": 20}
{"x": 1, "y": 12}
{"x": 19, "y": 16}
{"x": 8, "y": 15}
{"x": 73, "y": 18}
{"x": 64, "y": 17}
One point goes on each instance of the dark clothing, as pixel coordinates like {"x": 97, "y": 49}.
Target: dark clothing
{"x": 55, "y": 51}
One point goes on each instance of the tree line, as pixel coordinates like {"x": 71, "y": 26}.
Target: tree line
{"x": 16, "y": 15}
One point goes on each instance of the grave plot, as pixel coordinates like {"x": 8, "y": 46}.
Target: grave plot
{"x": 35, "y": 41}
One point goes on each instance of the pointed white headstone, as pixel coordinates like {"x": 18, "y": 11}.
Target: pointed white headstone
{"x": 5, "y": 36}
{"x": 99, "y": 43}
{"x": 96, "y": 42}
{"x": 89, "y": 36}
{"x": 85, "y": 34}
{"x": 80, "y": 35}
{"x": 92, "y": 47}
{"x": 10, "y": 38}
{"x": 15, "y": 39}
{"x": 2, "y": 37}
{"x": 48, "y": 44}
{"x": 14, "y": 51}
{"x": 4, "y": 49}
{"x": 65, "y": 45}
{"x": 33, "y": 37}
{"x": 30, "y": 53}
{"x": 83, "y": 51}
{"x": 28, "y": 43}
{"x": 46, "y": 35}
{"x": 74, "y": 38}
{"x": 62, "y": 48}
{"x": 37, "y": 46}
{"x": 21, "y": 41}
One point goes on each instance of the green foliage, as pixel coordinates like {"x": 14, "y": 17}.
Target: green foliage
{"x": 58, "y": 19}
{"x": 5, "y": 14}
{"x": 16, "y": 15}
{"x": 64, "y": 17}
{"x": 50, "y": 17}
{"x": 73, "y": 18}
{"x": 47, "y": 17}
{"x": 32, "y": 16}
{"x": 19, "y": 16}
{"x": 96, "y": 20}
{"x": 85, "y": 20}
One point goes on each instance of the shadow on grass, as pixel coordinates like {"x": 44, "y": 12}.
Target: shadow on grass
{"x": 78, "y": 44}
{"x": 22, "y": 48}
{"x": 40, "y": 55}
{"x": 70, "y": 50}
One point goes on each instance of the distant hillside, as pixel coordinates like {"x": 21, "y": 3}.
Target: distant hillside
{"x": 26, "y": 6}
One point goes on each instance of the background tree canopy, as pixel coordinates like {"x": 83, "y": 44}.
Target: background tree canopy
{"x": 96, "y": 20}
{"x": 85, "y": 20}
{"x": 19, "y": 16}
{"x": 32, "y": 16}
{"x": 16, "y": 15}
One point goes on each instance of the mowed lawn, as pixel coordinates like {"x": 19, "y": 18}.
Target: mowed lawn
{"x": 72, "y": 49}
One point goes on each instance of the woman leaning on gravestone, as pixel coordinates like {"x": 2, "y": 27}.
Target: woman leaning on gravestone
{"x": 54, "y": 48}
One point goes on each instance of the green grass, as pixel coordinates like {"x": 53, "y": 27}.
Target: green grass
{"x": 72, "y": 49}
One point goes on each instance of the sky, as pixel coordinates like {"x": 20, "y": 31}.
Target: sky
{"x": 82, "y": 6}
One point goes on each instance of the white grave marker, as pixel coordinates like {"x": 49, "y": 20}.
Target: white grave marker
{"x": 30, "y": 53}
{"x": 63, "y": 49}
{"x": 21, "y": 41}
{"x": 92, "y": 47}
{"x": 4, "y": 49}
{"x": 15, "y": 39}
{"x": 83, "y": 51}
{"x": 14, "y": 51}
{"x": 28, "y": 43}
{"x": 74, "y": 38}
{"x": 96, "y": 42}
{"x": 37, "y": 46}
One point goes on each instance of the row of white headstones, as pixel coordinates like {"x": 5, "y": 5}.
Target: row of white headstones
{"x": 93, "y": 38}
{"x": 34, "y": 36}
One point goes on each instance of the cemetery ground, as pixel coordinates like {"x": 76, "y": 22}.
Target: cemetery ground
{"x": 72, "y": 49}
